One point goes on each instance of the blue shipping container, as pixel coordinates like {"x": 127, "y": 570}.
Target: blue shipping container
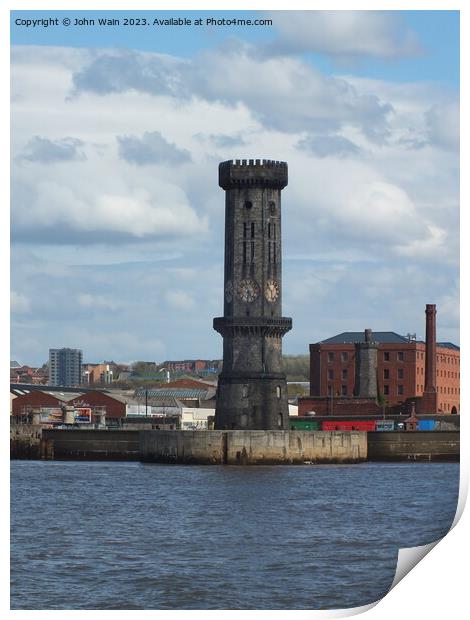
{"x": 426, "y": 425}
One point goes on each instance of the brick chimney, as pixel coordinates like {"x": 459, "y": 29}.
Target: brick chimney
{"x": 430, "y": 369}
{"x": 428, "y": 402}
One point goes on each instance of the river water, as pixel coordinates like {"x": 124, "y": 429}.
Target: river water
{"x": 102, "y": 535}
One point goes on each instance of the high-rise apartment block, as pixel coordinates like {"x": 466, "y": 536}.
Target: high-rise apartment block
{"x": 65, "y": 367}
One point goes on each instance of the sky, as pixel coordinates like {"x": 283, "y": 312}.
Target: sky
{"x": 116, "y": 215}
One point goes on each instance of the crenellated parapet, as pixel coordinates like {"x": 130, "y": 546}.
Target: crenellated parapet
{"x": 252, "y": 173}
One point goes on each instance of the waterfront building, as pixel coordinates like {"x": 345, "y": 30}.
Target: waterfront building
{"x": 25, "y": 403}
{"x": 252, "y": 389}
{"x": 405, "y": 369}
{"x": 65, "y": 367}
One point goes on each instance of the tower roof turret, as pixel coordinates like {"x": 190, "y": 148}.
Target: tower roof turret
{"x": 252, "y": 172}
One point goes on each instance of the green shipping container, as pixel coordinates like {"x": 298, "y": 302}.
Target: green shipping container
{"x": 304, "y": 425}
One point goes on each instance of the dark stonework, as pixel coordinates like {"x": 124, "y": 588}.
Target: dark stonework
{"x": 366, "y": 367}
{"x": 252, "y": 390}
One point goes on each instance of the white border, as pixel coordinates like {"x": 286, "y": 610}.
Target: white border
{"x": 438, "y": 586}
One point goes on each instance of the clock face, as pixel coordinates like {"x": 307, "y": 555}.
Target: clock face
{"x": 229, "y": 292}
{"x": 271, "y": 291}
{"x": 248, "y": 290}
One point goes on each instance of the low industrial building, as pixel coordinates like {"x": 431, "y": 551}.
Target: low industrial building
{"x": 37, "y": 399}
{"x": 196, "y": 419}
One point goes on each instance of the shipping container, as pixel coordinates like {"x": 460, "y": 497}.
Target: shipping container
{"x": 384, "y": 425}
{"x": 349, "y": 425}
{"x": 304, "y": 425}
{"x": 427, "y": 425}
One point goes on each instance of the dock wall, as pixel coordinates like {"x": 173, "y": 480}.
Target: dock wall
{"x": 414, "y": 446}
{"x": 93, "y": 444}
{"x": 232, "y": 447}
{"x": 252, "y": 447}
{"x": 25, "y": 441}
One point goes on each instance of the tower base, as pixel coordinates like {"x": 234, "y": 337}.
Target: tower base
{"x": 252, "y": 402}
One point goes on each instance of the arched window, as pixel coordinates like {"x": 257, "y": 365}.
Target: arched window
{"x": 278, "y": 391}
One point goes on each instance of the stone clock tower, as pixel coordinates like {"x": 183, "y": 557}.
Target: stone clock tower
{"x": 252, "y": 391}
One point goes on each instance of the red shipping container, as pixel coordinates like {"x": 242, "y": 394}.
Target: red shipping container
{"x": 349, "y": 425}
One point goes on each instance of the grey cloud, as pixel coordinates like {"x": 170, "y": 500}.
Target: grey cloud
{"x": 282, "y": 93}
{"x": 326, "y": 146}
{"x": 44, "y": 150}
{"x": 152, "y": 148}
{"x": 344, "y": 35}
{"x": 443, "y": 124}
{"x": 129, "y": 70}
{"x": 221, "y": 140}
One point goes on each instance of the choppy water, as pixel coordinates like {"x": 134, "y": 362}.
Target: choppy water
{"x": 94, "y": 535}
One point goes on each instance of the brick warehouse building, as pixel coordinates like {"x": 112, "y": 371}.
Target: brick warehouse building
{"x": 401, "y": 374}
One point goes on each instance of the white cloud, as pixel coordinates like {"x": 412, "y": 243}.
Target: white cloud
{"x": 344, "y": 34}
{"x": 425, "y": 248}
{"x": 283, "y": 93}
{"x": 145, "y": 243}
{"x": 97, "y": 302}
{"x": 94, "y": 204}
{"x": 444, "y": 125}
{"x": 19, "y": 303}
{"x": 179, "y": 300}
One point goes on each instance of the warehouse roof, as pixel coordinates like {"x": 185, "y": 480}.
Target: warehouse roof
{"x": 174, "y": 393}
{"x": 62, "y": 396}
{"x": 448, "y": 345}
{"x": 351, "y": 337}
{"x": 381, "y": 337}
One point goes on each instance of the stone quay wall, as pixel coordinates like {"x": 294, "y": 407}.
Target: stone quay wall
{"x": 232, "y": 447}
{"x": 414, "y": 446}
{"x": 25, "y": 441}
{"x": 93, "y": 444}
{"x": 252, "y": 447}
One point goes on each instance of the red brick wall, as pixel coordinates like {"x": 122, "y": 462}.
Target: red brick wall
{"x": 401, "y": 359}
{"x": 326, "y": 372}
{"x": 339, "y": 406}
{"x": 448, "y": 379}
{"x": 412, "y": 366}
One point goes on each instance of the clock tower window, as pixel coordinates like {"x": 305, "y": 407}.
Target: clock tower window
{"x": 271, "y": 242}
{"x": 248, "y": 242}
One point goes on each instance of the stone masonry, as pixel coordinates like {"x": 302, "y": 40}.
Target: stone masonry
{"x": 366, "y": 367}
{"x": 252, "y": 390}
